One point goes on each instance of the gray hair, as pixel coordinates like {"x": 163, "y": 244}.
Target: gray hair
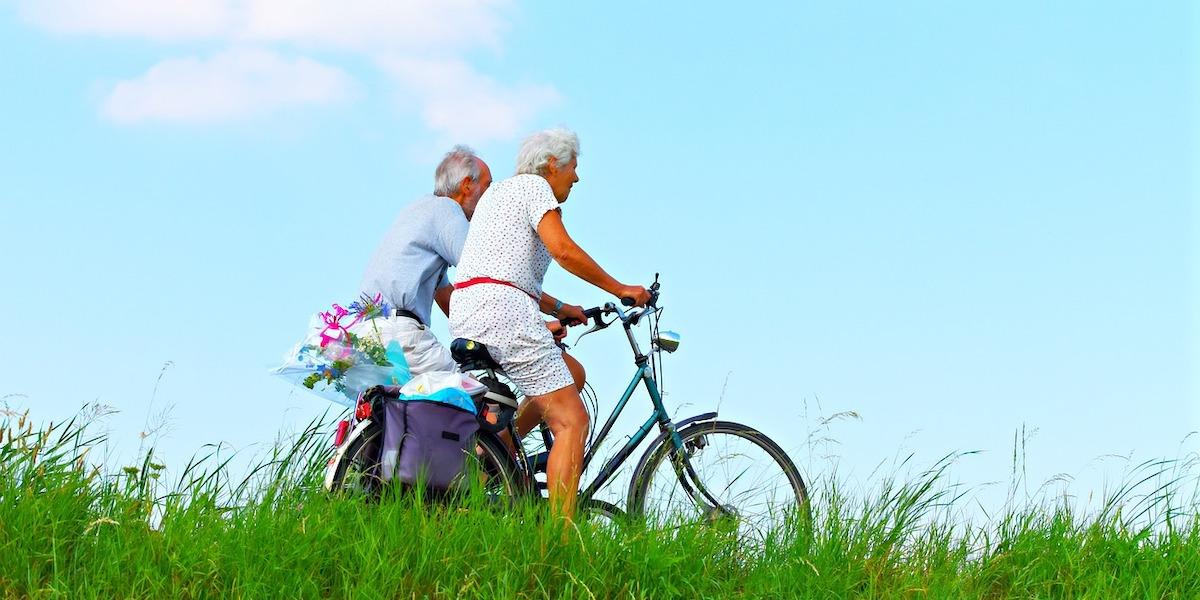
{"x": 460, "y": 162}
{"x": 536, "y": 150}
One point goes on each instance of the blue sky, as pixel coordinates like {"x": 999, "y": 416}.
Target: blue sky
{"x": 953, "y": 220}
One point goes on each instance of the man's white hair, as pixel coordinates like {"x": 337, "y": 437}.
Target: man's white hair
{"x": 536, "y": 150}
{"x": 459, "y": 163}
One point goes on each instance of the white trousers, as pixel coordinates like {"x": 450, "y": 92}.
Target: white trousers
{"x": 422, "y": 349}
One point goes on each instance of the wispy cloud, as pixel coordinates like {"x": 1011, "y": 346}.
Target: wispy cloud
{"x": 464, "y": 104}
{"x": 375, "y": 25}
{"x": 231, "y": 85}
{"x": 163, "y": 20}
{"x": 419, "y": 44}
{"x": 358, "y": 25}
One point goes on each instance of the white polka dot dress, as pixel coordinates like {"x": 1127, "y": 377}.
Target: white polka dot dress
{"x": 503, "y": 244}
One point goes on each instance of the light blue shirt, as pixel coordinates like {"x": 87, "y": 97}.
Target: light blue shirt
{"x": 411, "y": 261}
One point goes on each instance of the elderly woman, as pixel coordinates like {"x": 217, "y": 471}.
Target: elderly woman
{"x": 517, "y": 228}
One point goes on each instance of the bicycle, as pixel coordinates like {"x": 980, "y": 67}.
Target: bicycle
{"x": 697, "y": 469}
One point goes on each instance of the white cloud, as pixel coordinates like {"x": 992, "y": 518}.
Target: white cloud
{"x": 355, "y": 25}
{"x": 165, "y": 20}
{"x": 231, "y": 85}
{"x": 464, "y": 104}
{"x": 418, "y": 43}
{"x": 375, "y": 25}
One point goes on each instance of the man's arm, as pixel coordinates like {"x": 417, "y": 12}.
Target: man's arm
{"x": 451, "y": 238}
{"x": 442, "y": 297}
{"x": 452, "y": 235}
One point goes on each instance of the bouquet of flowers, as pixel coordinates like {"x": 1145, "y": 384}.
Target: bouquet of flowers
{"x": 337, "y": 364}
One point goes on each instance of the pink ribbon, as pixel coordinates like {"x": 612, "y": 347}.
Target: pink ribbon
{"x": 334, "y": 331}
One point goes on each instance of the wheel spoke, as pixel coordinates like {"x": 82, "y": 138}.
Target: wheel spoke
{"x": 751, "y": 479}
{"x": 490, "y": 468}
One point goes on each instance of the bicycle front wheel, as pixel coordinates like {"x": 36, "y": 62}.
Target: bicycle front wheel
{"x": 737, "y": 475}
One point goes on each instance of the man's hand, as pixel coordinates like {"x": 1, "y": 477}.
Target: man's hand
{"x": 574, "y": 314}
{"x": 557, "y": 330}
{"x": 639, "y": 294}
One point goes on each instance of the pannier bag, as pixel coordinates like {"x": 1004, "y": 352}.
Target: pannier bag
{"x": 429, "y": 425}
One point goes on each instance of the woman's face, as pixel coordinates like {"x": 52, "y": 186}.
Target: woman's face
{"x": 561, "y": 178}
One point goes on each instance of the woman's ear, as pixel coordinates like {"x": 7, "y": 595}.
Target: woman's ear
{"x": 552, "y": 165}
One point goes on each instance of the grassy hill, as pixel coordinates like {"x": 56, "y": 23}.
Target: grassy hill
{"x": 70, "y": 530}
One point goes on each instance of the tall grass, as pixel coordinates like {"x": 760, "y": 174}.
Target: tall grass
{"x": 69, "y": 529}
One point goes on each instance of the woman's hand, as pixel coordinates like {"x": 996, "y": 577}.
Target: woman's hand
{"x": 573, "y": 314}
{"x": 557, "y": 330}
{"x": 639, "y": 294}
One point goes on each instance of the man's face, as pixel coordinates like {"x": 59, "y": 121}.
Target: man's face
{"x": 562, "y": 178}
{"x": 475, "y": 189}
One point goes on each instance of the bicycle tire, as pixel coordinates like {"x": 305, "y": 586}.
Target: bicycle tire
{"x": 786, "y": 488}
{"x": 599, "y": 511}
{"x": 358, "y": 470}
{"x": 497, "y": 464}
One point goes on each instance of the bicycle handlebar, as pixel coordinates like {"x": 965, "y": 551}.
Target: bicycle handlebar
{"x": 627, "y": 318}
{"x": 653, "y": 289}
{"x": 591, "y": 314}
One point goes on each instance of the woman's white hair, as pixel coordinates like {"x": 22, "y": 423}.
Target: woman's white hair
{"x": 459, "y": 163}
{"x": 536, "y": 150}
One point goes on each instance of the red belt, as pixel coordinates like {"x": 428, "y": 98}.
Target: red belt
{"x": 478, "y": 280}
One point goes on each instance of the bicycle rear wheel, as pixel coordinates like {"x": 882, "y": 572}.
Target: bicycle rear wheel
{"x": 358, "y": 470}
{"x": 751, "y": 479}
{"x": 490, "y": 467}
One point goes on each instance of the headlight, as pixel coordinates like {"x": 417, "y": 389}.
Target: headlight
{"x": 667, "y": 340}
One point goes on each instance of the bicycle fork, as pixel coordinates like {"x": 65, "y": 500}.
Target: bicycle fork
{"x": 684, "y": 471}
{"x": 687, "y": 476}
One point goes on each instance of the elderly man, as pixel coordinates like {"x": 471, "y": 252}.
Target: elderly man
{"x": 409, "y": 267}
{"x": 516, "y": 232}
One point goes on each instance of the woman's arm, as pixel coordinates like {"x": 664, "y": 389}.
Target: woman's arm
{"x": 547, "y": 304}
{"x": 560, "y": 310}
{"x": 567, "y": 253}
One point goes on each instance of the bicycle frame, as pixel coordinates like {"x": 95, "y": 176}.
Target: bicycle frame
{"x": 659, "y": 416}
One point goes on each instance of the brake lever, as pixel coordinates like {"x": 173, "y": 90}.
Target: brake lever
{"x": 600, "y": 323}
{"x": 636, "y": 317}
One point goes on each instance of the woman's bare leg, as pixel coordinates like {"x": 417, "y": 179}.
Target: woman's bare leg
{"x": 527, "y": 420}
{"x": 563, "y": 411}
{"x": 577, "y": 371}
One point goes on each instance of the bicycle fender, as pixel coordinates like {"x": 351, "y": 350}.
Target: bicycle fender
{"x": 708, "y": 416}
{"x": 336, "y": 459}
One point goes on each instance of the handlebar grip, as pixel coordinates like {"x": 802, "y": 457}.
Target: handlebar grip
{"x": 591, "y": 314}
{"x": 627, "y": 301}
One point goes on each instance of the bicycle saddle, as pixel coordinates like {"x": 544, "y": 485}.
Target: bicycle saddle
{"x": 471, "y": 355}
